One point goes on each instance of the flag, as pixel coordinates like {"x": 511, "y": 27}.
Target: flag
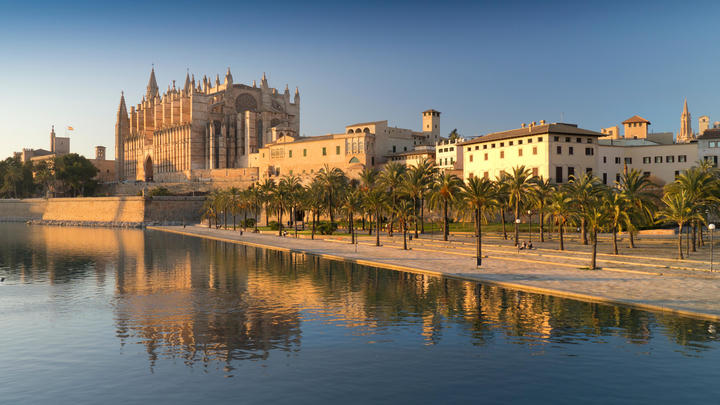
{"x": 69, "y": 128}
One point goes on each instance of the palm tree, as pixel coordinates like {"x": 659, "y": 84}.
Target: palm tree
{"x": 678, "y": 208}
{"x": 426, "y": 171}
{"x": 368, "y": 179}
{"x": 479, "y": 195}
{"x": 583, "y": 190}
{"x": 503, "y": 198}
{"x": 445, "y": 192}
{"x": 541, "y": 193}
{"x": 560, "y": 209}
{"x": 405, "y": 210}
{"x": 282, "y": 198}
{"x": 376, "y": 200}
{"x": 232, "y": 197}
{"x": 208, "y": 210}
{"x": 13, "y": 179}
{"x": 267, "y": 188}
{"x": 256, "y": 196}
{"x": 697, "y": 183}
{"x": 392, "y": 178}
{"x": 332, "y": 180}
{"x": 414, "y": 185}
{"x": 596, "y": 217}
{"x": 634, "y": 187}
{"x": 519, "y": 184}
{"x": 314, "y": 201}
{"x": 352, "y": 203}
{"x": 618, "y": 207}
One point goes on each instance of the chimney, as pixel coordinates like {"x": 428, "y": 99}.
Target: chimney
{"x": 542, "y": 122}
{"x": 522, "y": 125}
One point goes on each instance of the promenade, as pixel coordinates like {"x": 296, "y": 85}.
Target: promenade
{"x": 647, "y": 277}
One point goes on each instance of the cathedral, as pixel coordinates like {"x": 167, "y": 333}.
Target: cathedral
{"x": 202, "y": 126}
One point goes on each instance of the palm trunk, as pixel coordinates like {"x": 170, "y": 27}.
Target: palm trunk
{"x": 615, "y": 247}
{"x": 350, "y": 228}
{"x": 415, "y": 213}
{"x": 267, "y": 215}
{"x": 233, "y": 222}
{"x": 562, "y": 241}
{"x": 446, "y": 223}
{"x": 694, "y": 236}
{"x": 502, "y": 216}
{"x": 542, "y": 224}
{"x": 280, "y": 224}
{"x": 687, "y": 242}
{"x": 377, "y": 228}
{"x": 517, "y": 226}
{"x": 583, "y": 231}
{"x": 593, "y": 258}
{"x": 422, "y": 215}
{"x": 404, "y": 230}
{"x": 478, "y": 248}
{"x": 680, "y": 253}
{"x": 631, "y": 236}
{"x": 245, "y": 220}
{"x": 312, "y": 235}
{"x": 370, "y": 225}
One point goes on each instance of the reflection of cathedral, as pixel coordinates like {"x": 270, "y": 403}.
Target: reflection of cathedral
{"x": 200, "y": 126}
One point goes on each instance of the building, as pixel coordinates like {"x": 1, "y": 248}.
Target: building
{"x": 703, "y": 124}
{"x": 449, "y": 154}
{"x": 709, "y": 145}
{"x": 661, "y": 162}
{"x": 635, "y": 127}
{"x": 186, "y": 132}
{"x": 611, "y": 132}
{"x": 413, "y": 157}
{"x": 555, "y": 151}
{"x": 686, "y": 134}
{"x": 367, "y": 144}
{"x": 58, "y": 146}
{"x": 106, "y": 168}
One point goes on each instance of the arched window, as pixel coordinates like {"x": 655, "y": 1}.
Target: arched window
{"x": 350, "y": 131}
{"x": 366, "y": 130}
{"x": 354, "y": 160}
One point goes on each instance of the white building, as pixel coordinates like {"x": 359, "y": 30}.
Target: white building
{"x": 449, "y": 154}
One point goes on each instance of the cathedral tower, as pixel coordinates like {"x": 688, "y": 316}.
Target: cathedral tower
{"x": 122, "y": 130}
{"x": 52, "y": 139}
{"x": 685, "y": 135}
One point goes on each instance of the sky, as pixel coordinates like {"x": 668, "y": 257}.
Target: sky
{"x": 487, "y": 66}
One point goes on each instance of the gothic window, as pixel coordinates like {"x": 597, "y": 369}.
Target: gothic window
{"x": 354, "y": 160}
{"x": 245, "y": 102}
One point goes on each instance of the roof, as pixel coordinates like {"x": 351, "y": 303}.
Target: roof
{"x": 636, "y": 119}
{"x": 710, "y": 133}
{"x": 431, "y": 111}
{"x": 413, "y": 152}
{"x": 366, "y": 123}
{"x": 554, "y": 128}
{"x": 626, "y": 142}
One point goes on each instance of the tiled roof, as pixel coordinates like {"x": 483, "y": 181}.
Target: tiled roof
{"x": 554, "y": 128}
{"x": 366, "y": 123}
{"x": 636, "y": 119}
{"x": 711, "y": 133}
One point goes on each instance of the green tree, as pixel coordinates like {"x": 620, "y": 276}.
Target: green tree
{"x": 376, "y": 201}
{"x": 677, "y": 207}
{"x": 560, "y": 209}
{"x": 618, "y": 208}
{"x": 583, "y": 190}
{"x": 75, "y": 172}
{"x": 405, "y": 211}
{"x": 332, "y": 180}
{"x": 519, "y": 184}
{"x": 446, "y": 188}
{"x": 391, "y": 178}
{"x": 542, "y": 190}
{"x": 635, "y": 189}
{"x": 479, "y": 195}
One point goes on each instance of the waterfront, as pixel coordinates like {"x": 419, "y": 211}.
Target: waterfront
{"x": 104, "y": 315}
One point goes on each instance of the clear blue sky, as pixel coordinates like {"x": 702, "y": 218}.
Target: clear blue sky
{"x": 487, "y": 66}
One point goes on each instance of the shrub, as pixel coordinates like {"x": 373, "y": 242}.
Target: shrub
{"x": 327, "y": 228}
{"x": 159, "y": 191}
{"x": 249, "y": 223}
{"x": 274, "y": 225}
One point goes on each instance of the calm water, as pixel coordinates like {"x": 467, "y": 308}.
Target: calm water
{"x": 126, "y": 316}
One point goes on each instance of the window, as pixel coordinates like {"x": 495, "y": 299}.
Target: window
{"x": 556, "y": 139}
{"x": 486, "y": 156}
{"x": 628, "y": 161}
{"x": 646, "y": 159}
{"x": 470, "y": 158}
{"x": 588, "y": 170}
{"x": 658, "y": 159}
{"x": 304, "y": 152}
{"x": 502, "y": 144}
{"x": 519, "y": 152}
{"x": 529, "y": 140}
{"x": 519, "y": 141}
{"x": 646, "y": 174}
{"x": 477, "y": 147}
{"x": 604, "y": 159}
{"x": 534, "y": 150}
{"x": 604, "y": 178}
{"x": 324, "y": 151}
{"x": 670, "y": 159}
{"x": 589, "y": 151}
{"x": 510, "y": 143}
{"x": 290, "y": 153}
{"x": 617, "y": 160}
{"x": 394, "y": 149}
{"x": 404, "y": 149}
{"x": 540, "y": 139}
{"x": 492, "y": 145}
{"x": 677, "y": 173}
{"x": 589, "y": 140}
{"x": 535, "y": 171}
{"x": 502, "y": 154}
{"x": 571, "y": 150}
{"x": 486, "y": 175}
{"x": 712, "y": 144}
{"x": 567, "y": 139}
{"x": 469, "y": 148}
{"x": 571, "y": 172}
{"x": 682, "y": 158}
{"x": 578, "y": 140}
{"x": 558, "y": 175}
{"x": 484, "y": 146}
{"x": 559, "y": 150}
{"x": 617, "y": 177}
{"x": 452, "y": 149}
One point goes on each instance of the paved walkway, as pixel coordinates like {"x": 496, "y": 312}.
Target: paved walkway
{"x": 647, "y": 282}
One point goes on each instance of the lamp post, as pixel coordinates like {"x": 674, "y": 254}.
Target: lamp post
{"x": 529, "y": 226}
{"x": 517, "y": 221}
{"x": 711, "y": 227}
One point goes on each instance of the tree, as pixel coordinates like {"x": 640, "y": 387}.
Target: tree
{"x": 75, "y": 172}
{"x": 560, "y": 209}
{"x": 634, "y": 187}
{"x": 405, "y": 211}
{"x": 479, "y": 195}
{"x": 446, "y": 188}
{"x": 314, "y": 201}
{"x": 352, "y": 203}
{"x": 583, "y": 190}
{"x": 678, "y": 208}
{"x": 44, "y": 176}
{"x": 697, "y": 183}
{"x": 233, "y": 202}
{"x": 519, "y": 185}
{"x": 368, "y": 179}
{"x": 391, "y": 178}
{"x": 332, "y": 179}
{"x": 542, "y": 191}
{"x": 618, "y": 207}
{"x": 376, "y": 200}
{"x": 415, "y": 185}
{"x": 267, "y": 188}
{"x": 503, "y": 198}
{"x": 596, "y": 217}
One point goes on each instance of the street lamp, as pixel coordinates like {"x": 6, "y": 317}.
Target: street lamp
{"x": 711, "y": 227}
{"x": 529, "y": 226}
{"x": 517, "y": 242}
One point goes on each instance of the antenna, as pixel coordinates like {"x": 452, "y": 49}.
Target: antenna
{"x": 562, "y": 116}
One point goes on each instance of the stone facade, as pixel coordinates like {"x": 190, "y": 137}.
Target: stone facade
{"x": 202, "y": 126}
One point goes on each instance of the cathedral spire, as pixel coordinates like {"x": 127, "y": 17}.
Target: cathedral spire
{"x": 152, "y": 87}
{"x": 685, "y": 135}
{"x": 297, "y": 95}
{"x": 188, "y": 84}
{"x": 685, "y": 109}
{"x": 122, "y": 109}
{"x": 228, "y": 77}
{"x": 264, "y": 82}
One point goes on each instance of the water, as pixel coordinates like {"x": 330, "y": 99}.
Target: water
{"x": 126, "y": 316}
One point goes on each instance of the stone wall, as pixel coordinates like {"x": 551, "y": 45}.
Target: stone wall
{"x": 104, "y": 211}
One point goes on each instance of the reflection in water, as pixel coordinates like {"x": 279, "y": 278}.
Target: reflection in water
{"x": 212, "y": 303}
